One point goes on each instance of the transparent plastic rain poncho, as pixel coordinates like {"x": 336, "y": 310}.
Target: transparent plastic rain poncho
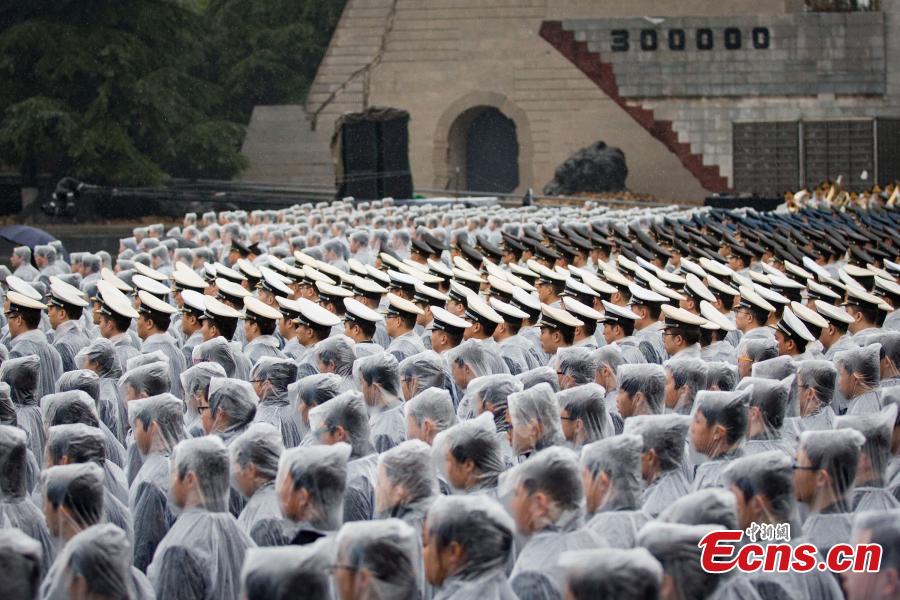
{"x": 766, "y": 474}
{"x": 713, "y": 505}
{"x": 195, "y": 383}
{"x": 147, "y": 358}
{"x": 863, "y": 365}
{"x": 545, "y": 374}
{"x": 16, "y": 509}
{"x": 347, "y": 411}
{"x": 82, "y": 379}
{"x": 378, "y": 377}
{"x": 433, "y": 405}
{"x": 426, "y": 370}
{"x": 755, "y": 350}
{"x": 237, "y": 400}
{"x": 76, "y": 488}
{"x": 820, "y": 376}
{"x": 338, "y": 351}
{"x": 7, "y": 408}
{"x": 34, "y": 343}
{"x": 79, "y": 443}
{"x": 145, "y": 381}
{"x": 216, "y": 350}
{"x": 617, "y": 517}
{"x": 882, "y": 528}
{"x": 534, "y": 413}
{"x": 491, "y": 393}
{"x": 689, "y": 376}
{"x": 473, "y": 440}
{"x": 676, "y": 547}
{"x": 780, "y": 368}
{"x": 309, "y": 392}
{"x": 486, "y": 533}
{"x": 387, "y": 549}
{"x": 478, "y": 357}
{"x": 869, "y": 492}
{"x": 164, "y": 410}
{"x": 322, "y": 472}
{"x": 204, "y": 549}
{"x": 556, "y": 473}
{"x": 274, "y": 376}
{"x": 587, "y": 413}
{"x": 76, "y": 406}
{"x": 721, "y": 376}
{"x": 769, "y": 398}
{"x": 22, "y": 560}
{"x": 611, "y": 574}
{"x": 100, "y": 558}
{"x": 22, "y": 375}
{"x": 260, "y": 446}
{"x": 148, "y": 494}
{"x": 837, "y": 453}
{"x": 111, "y": 406}
{"x": 576, "y": 363}
{"x": 665, "y": 435}
{"x": 286, "y": 573}
{"x": 407, "y": 467}
{"x": 731, "y": 411}
{"x": 649, "y": 381}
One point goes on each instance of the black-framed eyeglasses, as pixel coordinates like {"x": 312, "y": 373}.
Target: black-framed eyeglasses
{"x": 200, "y": 409}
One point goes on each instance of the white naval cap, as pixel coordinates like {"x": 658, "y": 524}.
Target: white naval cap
{"x": 216, "y": 309}
{"x": 581, "y": 310}
{"x": 401, "y": 306}
{"x": 146, "y": 271}
{"x": 378, "y": 276}
{"x": 461, "y": 263}
{"x": 19, "y": 285}
{"x": 248, "y": 269}
{"x": 311, "y": 275}
{"x": 62, "y": 293}
{"x": 141, "y": 282}
{"x": 715, "y": 267}
{"x": 808, "y": 316}
{"x": 676, "y": 316}
{"x": 332, "y": 293}
{"x": 860, "y": 297}
{"x": 357, "y": 311}
{"x": 688, "y": 266}
{"x": 254, "y": 309}
{"x": 313, "y": 315}
{"x": 797, "y": 271}
{"x": 367, "y": 287}
{"x": 114, "y": 302}
{"x": 445, "y": 320}
{"x": 771, "y": 295}
{"x": 150, "y": 303}
{"x": 790, "y": 325}
{"x": 660, "y": 288}
{"x": 112, "y": 279}
{"x": 720, "y": 286}
{"x": 303, "y": 259}
{"x": 833, "y": 313}
{"x": 525, "y": 300}
{"x": 641, "y": 295}
{"x": 817, "y": 291}
{"x": 389, "y": 260}
{"x": 509, "y": 312}
{"x": 695, "y": 287}
{"x": 187, "y": 279}
{"x": 712, "y": 314}
{"x": 228, "y": 273}
{"x": 286, "y": 270}
{"x": 194, "y": 302}
{"x": 556, "y": 318}
{"x": 233, "y": 291}
{"x": 273, "y": 282}
{"x": 751, "y": 299}
{"x": 615, "y": 313}
{"x": 401, "y": 280}
{"x": 18, "y": 300}
{"x": 479, "y": 310}
{"x": 429, "y": 295}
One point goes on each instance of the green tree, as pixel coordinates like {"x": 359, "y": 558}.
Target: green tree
{"x": 112, "y": 91}
{"x": 268, "y": 52}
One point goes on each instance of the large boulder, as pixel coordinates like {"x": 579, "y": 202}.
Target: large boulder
{"x": 597, "y": 168}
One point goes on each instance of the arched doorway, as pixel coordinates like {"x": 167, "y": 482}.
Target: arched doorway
{"x": 483, "y": 151}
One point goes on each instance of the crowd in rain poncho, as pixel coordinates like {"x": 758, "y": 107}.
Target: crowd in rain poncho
{"x": 658, "y": 375}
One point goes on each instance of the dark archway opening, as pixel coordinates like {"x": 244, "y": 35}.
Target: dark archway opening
{"x": 484, "y": 151}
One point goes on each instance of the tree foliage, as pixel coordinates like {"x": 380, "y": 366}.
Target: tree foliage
{"x": 135, "y": 91}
